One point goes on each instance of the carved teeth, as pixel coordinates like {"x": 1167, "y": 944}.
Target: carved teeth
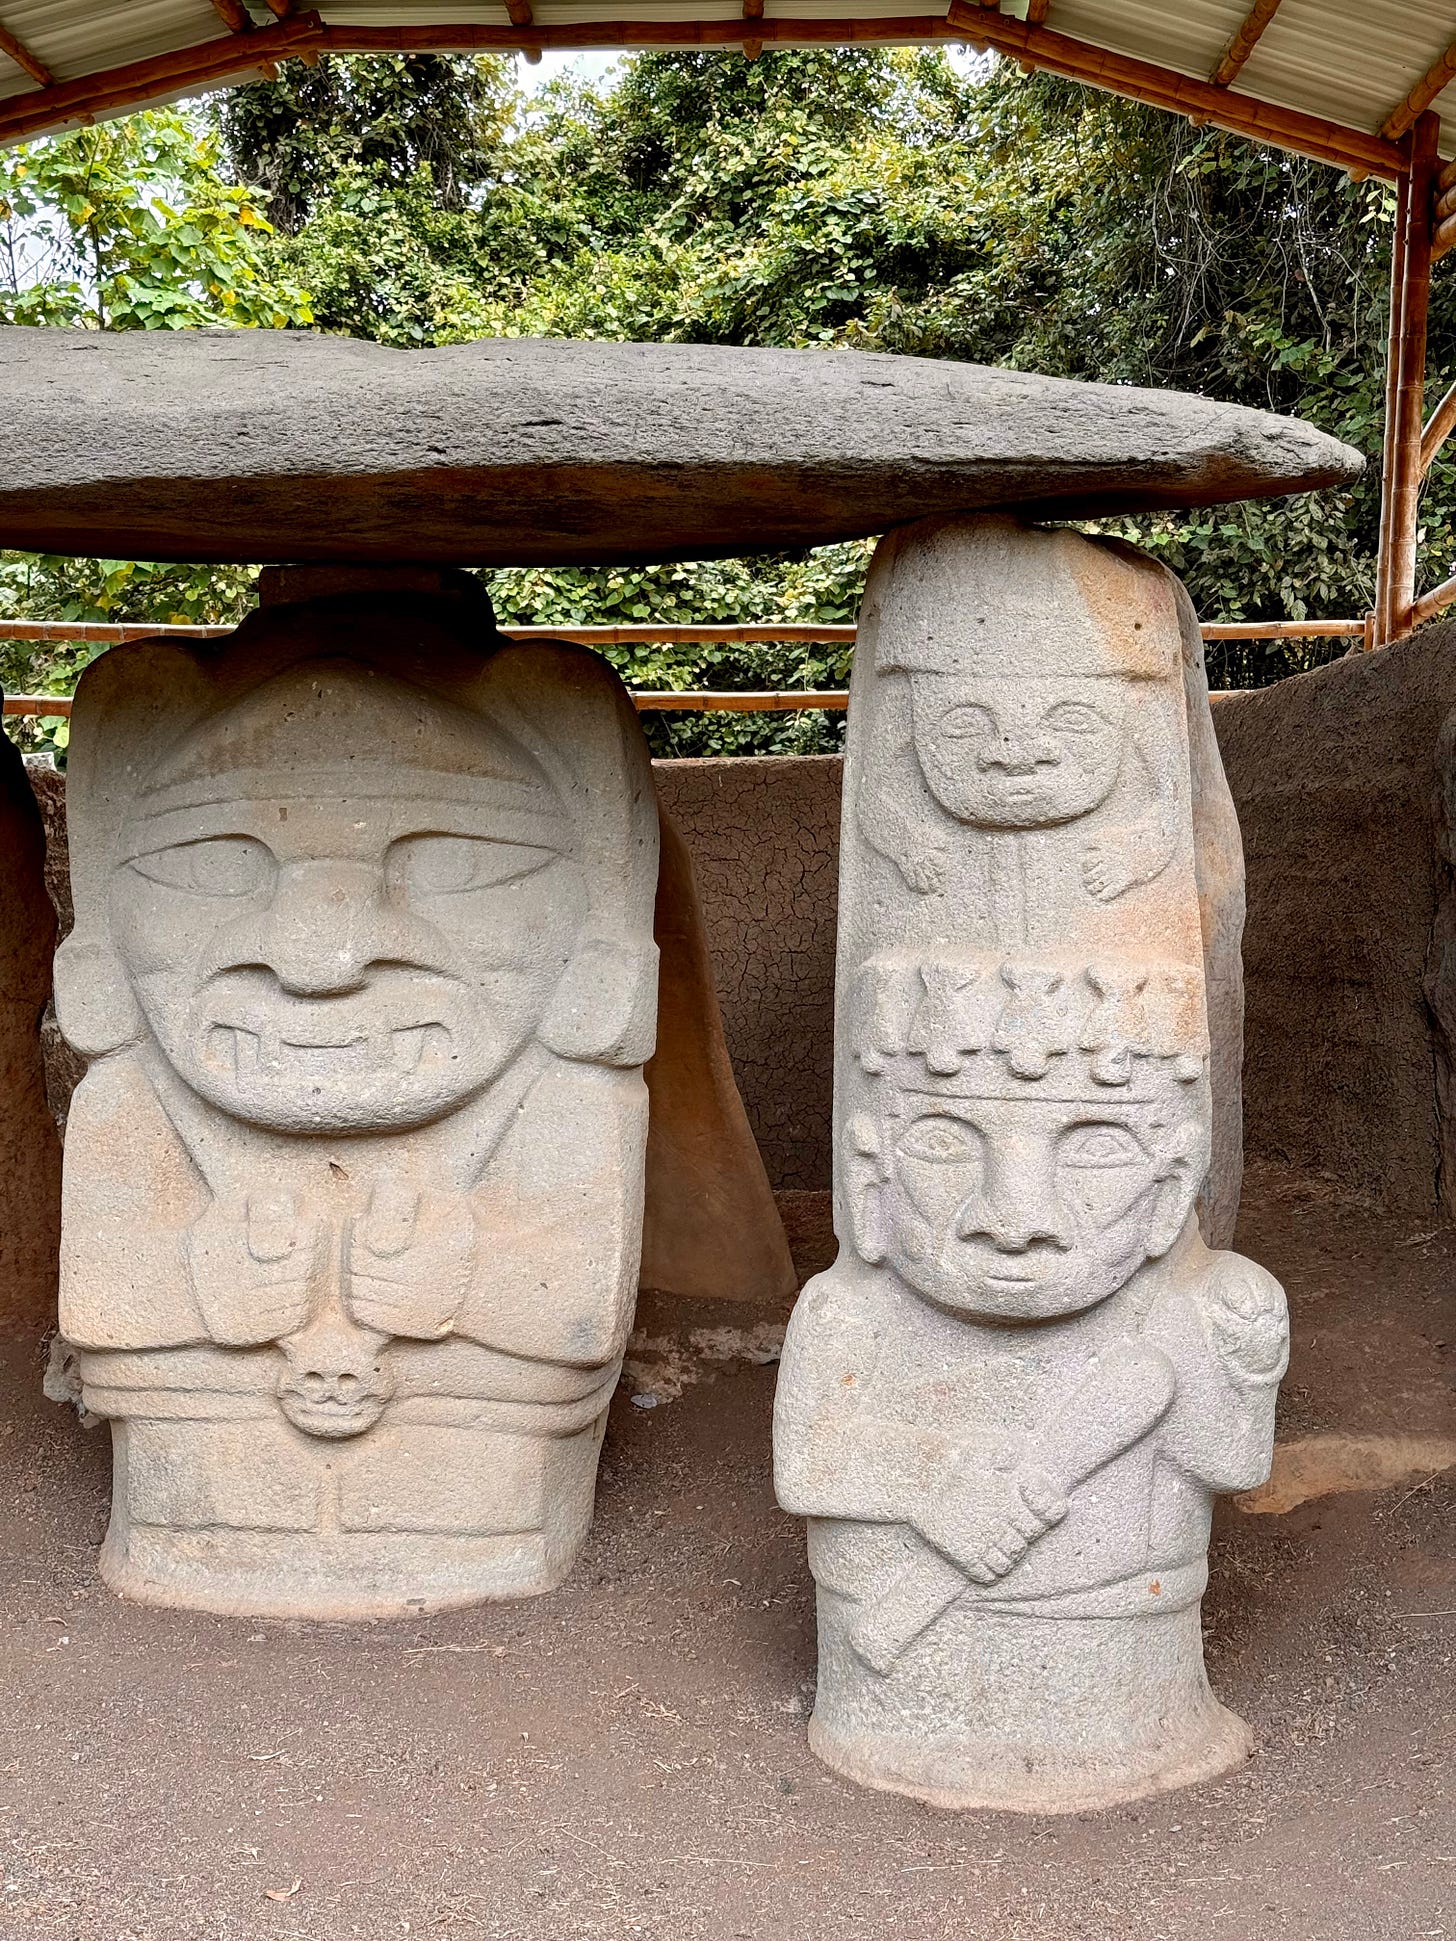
{"x": 252, "y": 1054}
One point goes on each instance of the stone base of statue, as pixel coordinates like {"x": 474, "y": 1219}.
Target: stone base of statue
{"x": 971, "y": 1718}
{"x": 220, "y": 1503}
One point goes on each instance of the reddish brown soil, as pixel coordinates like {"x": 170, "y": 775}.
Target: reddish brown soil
{"x": 627, "y": 1757}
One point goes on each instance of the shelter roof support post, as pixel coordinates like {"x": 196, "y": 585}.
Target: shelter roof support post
{"x": 1405, "y": 386}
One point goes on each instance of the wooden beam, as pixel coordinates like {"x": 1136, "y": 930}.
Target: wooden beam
{"x": 117, "y": 90}
{"x": 1245, "y": 40}
{"x": 902, "y": 29}
{"x": 25, "y": 60}
{"x": 1160, "y": 87}
{"x": 233, "y": 15}
{"x": 1410, "y": 299}
{"x": 1036, "y": 12}
{"x": 1436, "y": 77}
{"x": 282, "y": 9}
{"x": 521, "y": 16}
{"x": 752, "y": 10}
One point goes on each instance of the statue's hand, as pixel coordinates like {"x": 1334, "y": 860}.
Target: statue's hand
{"x": 1249, "y": 1321}
{"x": 1108, "y": 867}
{"x": 254, "y": 1259}
{"x": 925, "y": 872}
{"x": 988, "y": 1530}
{"x": 410, "y": 1262}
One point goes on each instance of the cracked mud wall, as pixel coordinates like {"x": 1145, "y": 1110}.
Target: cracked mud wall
{"x": 764, "y": 837}
{"x": 1346, "y": 794}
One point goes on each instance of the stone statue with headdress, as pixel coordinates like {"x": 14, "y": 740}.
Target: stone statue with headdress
{"x": 1006, "y": 1408}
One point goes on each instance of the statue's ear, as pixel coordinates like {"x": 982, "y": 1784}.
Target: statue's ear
{"x": 865, "y": 1180}
{"x": 94, "y": 1004}
{"x": 1177, "y": 1191}
{"x": 604, "y": 1009}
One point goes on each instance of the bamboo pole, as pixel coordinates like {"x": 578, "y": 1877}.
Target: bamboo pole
{"x": 1281, "y": 629}
{"x": 697, "y": 701}
{"x": 1398, "y": 237}
{"x": 1244, "y": 41}
{"x": 163, "y": 77}
{"x": 111, "y": 632}
{"x": 1160, "y": 87}
{"x": 662, "y": 701}
{"x": 27, "y": 62}
{"x": 752, "y": 10}
{"x": 1438, "y": 429}
{"x": 802, "y": 633}
{"x": 1406, "y": 388}
{"x": 1430, "y": 604}
{"x": 1437, "y": 77}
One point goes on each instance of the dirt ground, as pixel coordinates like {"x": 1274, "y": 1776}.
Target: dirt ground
{"x": 626, "y": 1757}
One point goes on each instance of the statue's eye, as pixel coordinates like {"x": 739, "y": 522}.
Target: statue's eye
{"x": 1100, "y": 1145}
{"x": 941, "y": 1138}
{"x": 1075, "y": 718}
{"x": 451, "y": 865}
{"x": 968, "y": 723}
{"x": 216, "y": 866}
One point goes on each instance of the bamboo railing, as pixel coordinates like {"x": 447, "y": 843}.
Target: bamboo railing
{"x": 646, "y": 701}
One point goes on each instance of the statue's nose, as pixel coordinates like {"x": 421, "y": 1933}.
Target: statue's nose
{"x": 325, "y": 927}
{"x": 333, "y": 1385}
{"x": 1016, "y": 1206}
{"x": 1019, "y": 754}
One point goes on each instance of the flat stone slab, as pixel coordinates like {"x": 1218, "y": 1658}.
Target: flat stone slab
{"x": 272, "y": 445}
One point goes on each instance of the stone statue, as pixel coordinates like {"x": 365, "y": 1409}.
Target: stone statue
{"x": 1006, "y": 1407}
{"x": 363, "y": 965}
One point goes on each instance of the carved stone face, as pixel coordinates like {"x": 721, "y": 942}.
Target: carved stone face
{"x": 1023, "y": 1209}
{"x": 352, "y": 965}
{"x": 1019, "y": 754}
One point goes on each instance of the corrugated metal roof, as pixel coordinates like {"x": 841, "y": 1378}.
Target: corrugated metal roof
{"x": 1351, "y": 62}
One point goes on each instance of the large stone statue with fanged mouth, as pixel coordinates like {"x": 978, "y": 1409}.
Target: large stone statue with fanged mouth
{"x": 1006, "y": 1408}
{"x": 363, "y": 964}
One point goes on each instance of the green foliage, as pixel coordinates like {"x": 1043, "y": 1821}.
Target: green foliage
{"x": 887, "y": 201}
{"x": 846, "y": 197}
{"x": 129, "y": 226}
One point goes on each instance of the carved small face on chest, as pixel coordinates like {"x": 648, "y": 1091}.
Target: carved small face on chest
{"x": 1019, "y": 754}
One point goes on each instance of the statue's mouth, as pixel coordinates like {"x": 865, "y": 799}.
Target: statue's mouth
{"x": 247, "y": 1053}
{"x": 331, "y": 1416}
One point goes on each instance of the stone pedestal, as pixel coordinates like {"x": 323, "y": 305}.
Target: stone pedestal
{"x": 1006, "y": 1409}
{"x": 363, "y": 967}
